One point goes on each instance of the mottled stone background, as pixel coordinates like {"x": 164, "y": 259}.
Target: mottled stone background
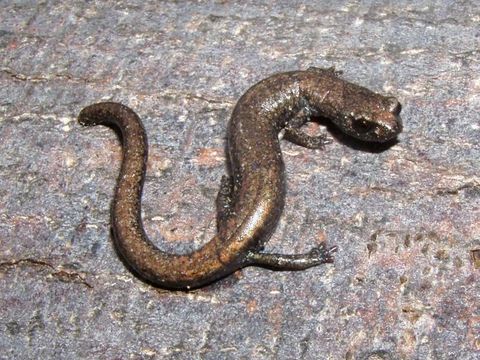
{"x": 405, "y": 283}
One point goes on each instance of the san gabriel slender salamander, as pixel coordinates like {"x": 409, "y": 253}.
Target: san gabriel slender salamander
{"x": 251, "y": 200}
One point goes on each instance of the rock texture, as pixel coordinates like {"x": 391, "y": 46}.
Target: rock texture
{"x": 405, "y": 283}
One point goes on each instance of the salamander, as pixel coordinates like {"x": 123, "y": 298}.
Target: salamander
{"x": 251, "y": 199}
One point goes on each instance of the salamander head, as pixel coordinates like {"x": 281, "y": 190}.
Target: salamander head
{"x": 372, "y": 117}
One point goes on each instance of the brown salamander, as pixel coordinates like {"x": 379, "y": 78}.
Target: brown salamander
{"x": 251, "y": 200}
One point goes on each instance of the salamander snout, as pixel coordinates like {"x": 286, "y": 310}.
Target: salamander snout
{"x": 388, "y": 121}
{"x": 377, "y": 123}
{"x": 388, "y": 128}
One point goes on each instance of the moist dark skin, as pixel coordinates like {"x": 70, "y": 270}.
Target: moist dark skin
{"x": 251, "y": 200}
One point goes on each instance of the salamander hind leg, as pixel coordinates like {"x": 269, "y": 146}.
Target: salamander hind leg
{"x": 316, "y": 256}
{"x": 296, "y": 135}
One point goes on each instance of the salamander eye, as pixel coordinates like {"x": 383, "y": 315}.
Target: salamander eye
{"x": 362, "y": 126}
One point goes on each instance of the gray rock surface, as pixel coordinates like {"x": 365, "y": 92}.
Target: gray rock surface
{"x": 405, "y": 283}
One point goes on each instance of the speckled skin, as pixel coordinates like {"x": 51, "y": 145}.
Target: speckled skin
{"x": 251, "y": 201}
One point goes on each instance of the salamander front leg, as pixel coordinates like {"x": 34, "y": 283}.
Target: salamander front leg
{"x": 316, "y": 256}
{"x": 296, "y": 135}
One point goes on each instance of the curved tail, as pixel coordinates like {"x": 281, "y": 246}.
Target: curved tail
{"x": 198, "y": 268}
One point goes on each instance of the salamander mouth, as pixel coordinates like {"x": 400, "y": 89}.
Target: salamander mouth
{"x": 377, "y": 131}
